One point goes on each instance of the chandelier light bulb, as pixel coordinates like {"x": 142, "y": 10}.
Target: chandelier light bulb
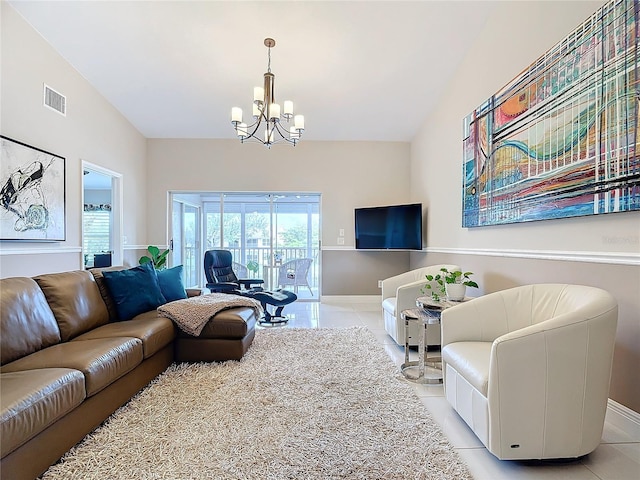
{"x": 288, "y": 109}
{"x": 274, "y": 112}
{"x": 298, "y": 122}
{"x": 242, "y": 130}
{"x": 236, "y": 115}
{"x": 268, "y": 135}
{"x": 258, "y": 95}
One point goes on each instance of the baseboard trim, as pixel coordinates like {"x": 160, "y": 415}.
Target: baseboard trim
{"x": 557, "y": 255}
{"x": 351, "y": 299}
{"x": 623, "y": 418}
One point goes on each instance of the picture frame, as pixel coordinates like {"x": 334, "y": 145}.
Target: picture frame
{"x": 32, "y": 193}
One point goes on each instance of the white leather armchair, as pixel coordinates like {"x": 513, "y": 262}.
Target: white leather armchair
{"x": 399, "y": 293}
{"x": 528, "y": 368}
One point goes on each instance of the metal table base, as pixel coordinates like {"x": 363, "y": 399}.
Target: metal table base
{"x": 424, "y": 318}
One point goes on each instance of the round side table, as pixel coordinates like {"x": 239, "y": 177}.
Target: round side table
{"x": 424, "y": 317}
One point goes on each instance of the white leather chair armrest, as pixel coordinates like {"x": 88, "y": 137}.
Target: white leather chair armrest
{"x": 537, "y": 373}
{"x": 390, "y": 285}
{"x": 472, "y": 321}
{"x": 406, "y": 295}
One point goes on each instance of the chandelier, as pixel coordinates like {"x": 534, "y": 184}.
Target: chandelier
{"x": 267, "y": 127}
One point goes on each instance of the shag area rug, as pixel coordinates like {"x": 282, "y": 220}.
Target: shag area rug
{"x": 301, "y": 404}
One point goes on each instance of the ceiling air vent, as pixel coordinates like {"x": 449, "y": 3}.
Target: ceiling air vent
{"x": 54, "y": 100}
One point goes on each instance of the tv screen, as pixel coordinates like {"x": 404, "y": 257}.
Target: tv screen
{"x": 395, "y": 227}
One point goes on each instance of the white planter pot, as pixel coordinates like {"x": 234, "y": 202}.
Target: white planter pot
{"x": 456, "y": 291}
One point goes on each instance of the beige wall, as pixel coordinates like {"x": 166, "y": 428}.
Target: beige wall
{"x": 92, "y": 130}
{"x": 346, "y": 174}
{"x": 603, "y": 251}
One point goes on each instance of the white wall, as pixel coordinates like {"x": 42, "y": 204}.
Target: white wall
{"x": 92, "y": 130}
{"x": 516, "y": 35}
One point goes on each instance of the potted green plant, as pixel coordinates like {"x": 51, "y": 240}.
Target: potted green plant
{"x": 157, "y": 258}
{"x": 450, "y": 285}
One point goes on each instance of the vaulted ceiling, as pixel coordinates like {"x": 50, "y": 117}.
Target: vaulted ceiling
{"x": 359, "y": 70}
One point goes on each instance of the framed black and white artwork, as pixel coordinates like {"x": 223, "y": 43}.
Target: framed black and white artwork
{"x": 32, "y": 193}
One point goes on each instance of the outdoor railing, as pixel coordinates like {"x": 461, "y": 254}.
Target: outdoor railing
{"x": 262, "y": 255}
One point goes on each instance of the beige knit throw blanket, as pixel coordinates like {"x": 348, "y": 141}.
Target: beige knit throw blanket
{"x": 192, "y": 314}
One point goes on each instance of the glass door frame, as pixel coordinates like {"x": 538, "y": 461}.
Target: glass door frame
{"x": 198, "y": 252}
{"x": 218, "y": 197}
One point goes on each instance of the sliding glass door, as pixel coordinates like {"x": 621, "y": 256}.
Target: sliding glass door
{"x": 274, "y": 236}
{"x": 186, "y": 242}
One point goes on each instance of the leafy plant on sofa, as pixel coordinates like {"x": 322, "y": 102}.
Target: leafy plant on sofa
{"x": 446, "y": 277}
{"x": 157, "y": 258}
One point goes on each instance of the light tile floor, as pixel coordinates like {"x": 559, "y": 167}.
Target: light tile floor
{"x": 617, "y": 457}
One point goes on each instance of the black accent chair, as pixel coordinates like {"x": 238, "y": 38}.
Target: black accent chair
{"x": 220, "y": 275}
{"x": 221, "y": 278}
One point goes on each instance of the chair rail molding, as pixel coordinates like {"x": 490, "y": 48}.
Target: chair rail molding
{"x": 617, "y": 258}
{"x": 38, "y": 250}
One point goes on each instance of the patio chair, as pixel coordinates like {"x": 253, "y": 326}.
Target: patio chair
{"x": 295, "y": 273}
{"x": 240, "y": 270}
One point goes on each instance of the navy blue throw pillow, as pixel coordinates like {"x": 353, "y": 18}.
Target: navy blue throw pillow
{"x": 134, "y": 291}
{"x": 171, "y": 284}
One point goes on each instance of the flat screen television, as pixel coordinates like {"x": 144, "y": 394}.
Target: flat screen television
{"x": 394, "y": 227}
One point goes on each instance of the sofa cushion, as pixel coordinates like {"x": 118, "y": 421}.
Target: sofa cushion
{"x": 104, "y": 289}
{"x": 27, "y": 323}
{"x": 135, "y": 290}
{"x": 471, "y": 360}
{"x": 171, "y": 284}
{"x": 102, "y": 361}
{"x": 75, "y": 301}
{"x": 34, "y": 399}
{"x": 155, "y": 332}
{"x": 233, "y": 323}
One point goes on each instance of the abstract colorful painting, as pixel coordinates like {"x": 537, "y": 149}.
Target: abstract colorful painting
{"x": 561, "y": 139}
{"x": 32, "y": 193}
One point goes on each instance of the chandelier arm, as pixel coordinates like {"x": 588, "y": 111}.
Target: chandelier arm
{"x": 284, "y": 136}
{"x": 257, "y": 124}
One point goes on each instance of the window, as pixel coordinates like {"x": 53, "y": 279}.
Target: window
{"x": 96, "y": 231}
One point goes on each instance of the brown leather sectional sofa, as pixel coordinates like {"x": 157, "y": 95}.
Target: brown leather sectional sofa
{"x": 66, "y": 365}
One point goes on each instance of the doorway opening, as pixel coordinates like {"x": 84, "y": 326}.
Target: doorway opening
{"x": 101, "y": 216}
